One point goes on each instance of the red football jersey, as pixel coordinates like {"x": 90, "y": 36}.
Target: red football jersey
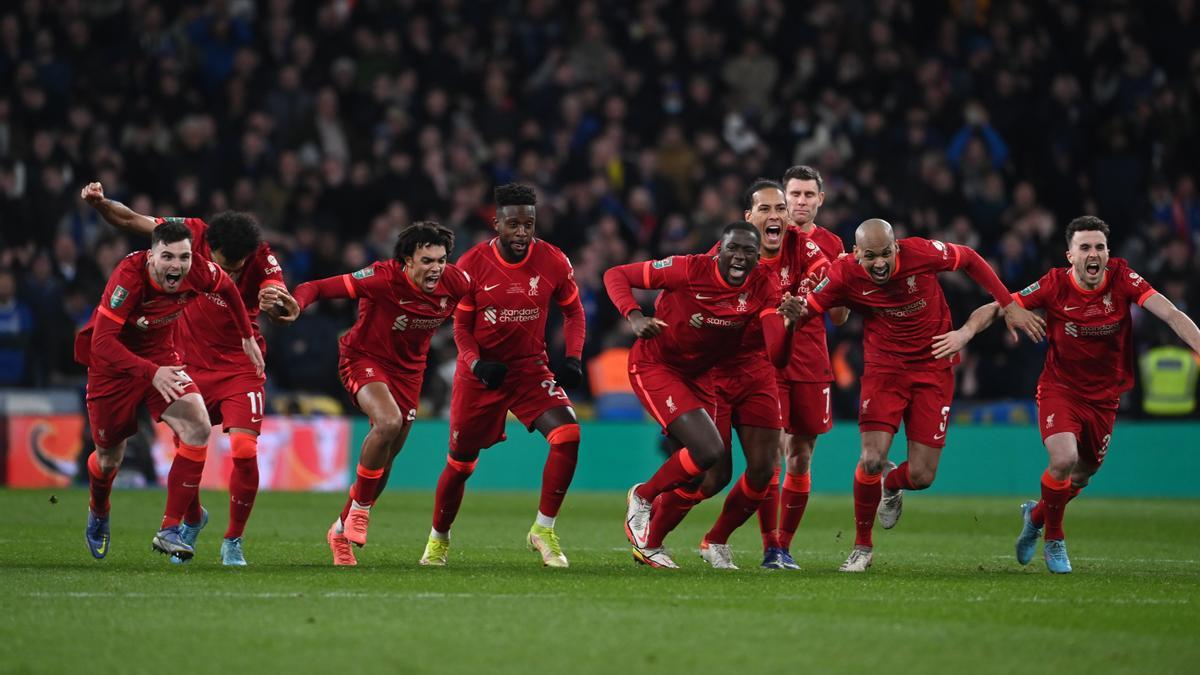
{"x": 798, "y": 258}
{"x": 512, "y": 301}
{"x": 901, "y": 316}
{"x": 146, "y": 314}
{"x": 396, "y": 319}
{"x": 810, "y": 352}
{"x": 1090, "y": 333}
{"x": 706, "y": 317}
{"x": 206, "y": 338}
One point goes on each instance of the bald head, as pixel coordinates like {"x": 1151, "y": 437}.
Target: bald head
{"x": 875, "y": 249}
{"x": 875, "y": 233}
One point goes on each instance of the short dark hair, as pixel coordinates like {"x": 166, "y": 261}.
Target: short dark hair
{"x": 759, "y": 184}
{"x": 741, "y": 226}
{"x": 804, "y": 172}
{"x": 515, "y": 194}
{"x": 234, "y": 234}
{"x": 422, "y": 233}
{"x": 170, "y": 231}
{"x": 1085, "y": 224}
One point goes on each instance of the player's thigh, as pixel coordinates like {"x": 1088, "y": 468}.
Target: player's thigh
{"x": 697, "y": 432}
{"x": 112, "y": 409}
{"x": 187, "y": 416}
{"x": 239, "y": 403}
{"x": 922, "y": 463}
{"x": 533, "y": 392}
{"x": 477, "y": 414}
{"x": 809, "y": 408}
{"x": 1096, "y": 434}
{"x": 927, "y": 416}
{"x": 668, "y": 394}
{"x": 759, "y": 444}
{"x": 554, "y": 418}
{"x": 883, "y": 399}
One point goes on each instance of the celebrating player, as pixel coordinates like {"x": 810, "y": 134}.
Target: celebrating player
{"x": 804, "y": 385}
{"x": 745, "y": 389}
{"x": 232, "y": 387}
{"x": 500, "y": 331}
{"x": 894, "y": 284}
{"x": 128, "y": 346}
{"x": 401, "y": 303}
{"x": 700, "y": 318}
{"x": 1089, "y": 364}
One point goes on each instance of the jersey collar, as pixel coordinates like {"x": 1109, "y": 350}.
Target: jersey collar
{"x": 494, "y": 244}
{"x": 1081, "y": 289}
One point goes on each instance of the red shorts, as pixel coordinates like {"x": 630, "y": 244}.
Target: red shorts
{"x": 667, "y": 393}
{"x": 921, "y": 398}
{"x": 405, "y": 388}
{"x": 806, "y": 406}
{"x": 748, "y": 397}
{"x": 235, "y": 401}
{"x": 112, "y": 405}
{"x": 477, "y": 414}
{"x": 1090, "y": 422}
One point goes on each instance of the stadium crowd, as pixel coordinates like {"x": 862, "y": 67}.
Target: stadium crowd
{"x": 989, "y": 124}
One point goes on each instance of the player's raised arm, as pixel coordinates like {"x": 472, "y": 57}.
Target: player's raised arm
{"x": 1181, "y": 323}
{"x": 1016, "y": 316}
{"x": 620, "y": 281}
{"x": 233, "y": 299}
{"x": 951, "y": 343}
{"x": 115, "y": 213}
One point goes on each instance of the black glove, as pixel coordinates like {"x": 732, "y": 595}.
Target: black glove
{"x": 490, "y": 373}
{"x": 569, "y": 373}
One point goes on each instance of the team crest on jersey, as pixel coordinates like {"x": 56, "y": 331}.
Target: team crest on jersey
{"x": 370, "y": 372}
{"x": 1108, "y": 303}
{"x": 1050, "y": 420}
{"x": 443, "y": 303}
{"x": 741, "y": 306}
{"x": 665, "y": 262}
{"x": 364, "y": 273}
{"x": 671, "y": 404}
{"x": 821, "y": 285}
{"x": 785, "y": 275}
{"x": 118, "y": 297}
{"x": 912, "y": 283}
{"x": 533, "y": 284}
{"x": 1031, "y": 288}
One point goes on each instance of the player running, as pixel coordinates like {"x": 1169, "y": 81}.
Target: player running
{"x": 894, "y": 284}
{"x": 708, "y": 301}
{"x": 1089, "y": 364}
{"x": 500, "y": 331}
{"x": 231, "y": 385}
{"x": 128, "y": 346}
{"x": 401, "y": 303}
{"x": 805, "y": 384}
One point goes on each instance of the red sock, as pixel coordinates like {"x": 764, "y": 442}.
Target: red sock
{"x": 899, "y": 479}
{"x": 559, "y": 469}
{"x": 449, "y": 495}
{"x": 100, "y": 484}
{"x": 741, "y": 503}
{"x": 1055, "y": 495}
{"x": 867, "y": 493}
{"x": 676, "y": 471}
{"x": 670, "y": 508}
{"x": 194, "y": 513}
{"x": 768, "y": 514}
{"x": 183, "y": 482}
{"x": 1038, "y": 515}
{"x": 796, "y": 489}
{"x": 366, "y": 485}
{"x": 243, "y": 482}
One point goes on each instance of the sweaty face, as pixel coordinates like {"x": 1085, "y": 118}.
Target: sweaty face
{"x": 768, "y": 212}
{"x": 169, "y": 264}
{"x": 738, "y": 256}
{"x": 878, "y": 258}
{"x": 1088, "y": 256}
{"x": 515, "y": 226}
{"x": 804, "y": 199}
{"x": 425, "y": 266}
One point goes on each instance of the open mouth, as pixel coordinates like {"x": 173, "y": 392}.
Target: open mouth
{"x": 1093, "y": 268}
{"x": 172, "y": 278}
{"x": 772, "y": 236}
{"x": 431, "y": 281}
{"x": 737, "y": 271}
{"x": 519, "y": 246}
{"x": 880, "y": 274}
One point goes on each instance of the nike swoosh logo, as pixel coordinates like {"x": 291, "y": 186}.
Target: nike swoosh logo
{"x": 255, "y": 420}
{"x": 103, "y": 547}
{"x": 825, "y": 421}
{"x": 703, "y": 297}
{"x": 403, "y": 302}
{"x": 870, "y": 291}
{"x": 938, "y": 437}
{"x": 188, "y": 485}
{"x": 488, "y": 288}
{"x": 1067, "y": 309}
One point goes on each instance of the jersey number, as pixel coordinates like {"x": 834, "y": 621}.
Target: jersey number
{"x": 553, "y": 390}
{"x": 256, "y": 402}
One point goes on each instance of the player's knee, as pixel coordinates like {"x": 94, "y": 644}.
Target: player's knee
{"x": 921, "y": 477}
{"x": 715, "y": 480}
{"x": 871, "y": 464}
{"x": 703, "y": 456}
{"x": 195, "y": 431}
{"x": 564, "y": 438}
{"x": 463, "y": 457}
{"x": 110, "y": 459}
{"x": 1062, "y": 464}
{"x": 758, "y": 477}
{"x": 389, "y": 426}
{"x": 243, "y": 446}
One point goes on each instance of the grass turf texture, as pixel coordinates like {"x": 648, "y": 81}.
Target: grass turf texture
{"x": 945, "y": 593}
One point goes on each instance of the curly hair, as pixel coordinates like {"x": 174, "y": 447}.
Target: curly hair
{"x": 515, "y": 194}
{"x": 233, "y": 234}
{"x": 420, "y": 234}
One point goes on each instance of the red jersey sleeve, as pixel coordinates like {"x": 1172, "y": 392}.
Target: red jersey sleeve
{"x": 620, "y": 280}
{"x": 830, "y": 292}
{"x": 123, "y": 292}
{"x": 1132, "y": 285}
{"x": 271, "y": 270}
{"x": 1034, "y": 295}
{"x": 206, "y": 275}
{"x": 122, "y": 295}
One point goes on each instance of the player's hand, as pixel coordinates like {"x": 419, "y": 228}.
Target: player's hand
{"x": 251, "y": 348}
{"x": 92, "y": 193}
{"x": 170, "y": 382}
{"x": 949, "y": 344}
{"x": 791, "y": 308}
{"x": 490, "y": 373}
{"x": 278, "y": 304}
{"x": 646, "y": 327}
{"x": 569, "y": 374}
{"x": 1019, "y": 318}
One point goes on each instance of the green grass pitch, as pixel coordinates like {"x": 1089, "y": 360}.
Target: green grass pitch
{"x": 945, "y": 594}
